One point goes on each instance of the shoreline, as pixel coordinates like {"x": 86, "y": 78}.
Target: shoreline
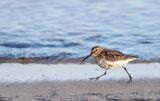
{"x": 49, "y": 60}
{"x": 69, "y": 82}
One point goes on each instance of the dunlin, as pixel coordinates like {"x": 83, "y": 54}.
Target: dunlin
{"x": 109, "y": 59}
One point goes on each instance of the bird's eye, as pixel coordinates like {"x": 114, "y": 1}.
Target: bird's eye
{"x": 95, "y": 50}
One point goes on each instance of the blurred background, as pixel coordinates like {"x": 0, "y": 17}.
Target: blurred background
{"x": 63, "y": 29}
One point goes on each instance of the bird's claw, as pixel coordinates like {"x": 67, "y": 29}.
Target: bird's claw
{"x": 130, "y": 81}
{"x": 94, "y": 78}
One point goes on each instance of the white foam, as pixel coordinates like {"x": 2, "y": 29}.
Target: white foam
{"x": 40, "y": 72}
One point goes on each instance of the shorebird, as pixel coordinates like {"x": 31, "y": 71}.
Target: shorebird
{"x": 110, "y": 59}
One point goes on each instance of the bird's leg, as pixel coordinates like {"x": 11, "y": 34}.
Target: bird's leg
{"x": 130, "y": 77}
{"x": 96, "y": 78}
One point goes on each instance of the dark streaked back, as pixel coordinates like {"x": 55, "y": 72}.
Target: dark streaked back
{"x": 112, "y": 55}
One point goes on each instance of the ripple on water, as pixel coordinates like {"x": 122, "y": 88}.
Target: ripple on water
{"x": 63, "y": 29}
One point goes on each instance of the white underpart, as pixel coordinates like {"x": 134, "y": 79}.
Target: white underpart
{"x": 113, "y": 65}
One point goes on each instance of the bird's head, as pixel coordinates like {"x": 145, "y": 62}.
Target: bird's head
{"x": 95, "y": 51}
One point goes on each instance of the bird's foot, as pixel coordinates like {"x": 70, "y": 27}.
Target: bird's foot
{"x": 94, "y": 78}
{"x": 130, "y": 81}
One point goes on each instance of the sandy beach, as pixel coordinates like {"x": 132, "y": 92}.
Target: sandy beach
{"x": 69, "y": 82}
{"x": 141, "y": 90}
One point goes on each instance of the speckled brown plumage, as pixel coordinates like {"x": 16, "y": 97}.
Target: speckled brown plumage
{"x": 113, "y": 55}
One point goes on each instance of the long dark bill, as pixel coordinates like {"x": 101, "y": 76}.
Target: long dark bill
{"x": 86, "y": 57}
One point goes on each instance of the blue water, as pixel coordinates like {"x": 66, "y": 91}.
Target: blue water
{"x": 68, "y": 29}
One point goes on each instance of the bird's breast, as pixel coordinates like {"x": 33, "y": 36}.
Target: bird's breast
{"x": 103, "y": 63}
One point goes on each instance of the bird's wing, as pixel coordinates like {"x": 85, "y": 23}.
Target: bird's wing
{"x": 113, "y": 55}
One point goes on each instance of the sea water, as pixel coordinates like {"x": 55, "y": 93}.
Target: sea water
{"x": 68, "y": 29}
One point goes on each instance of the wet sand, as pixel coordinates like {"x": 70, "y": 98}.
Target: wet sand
{"x": 139, "y": 90}
{"x": 69, "y": 82}
{"x": 14, "y": 72}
